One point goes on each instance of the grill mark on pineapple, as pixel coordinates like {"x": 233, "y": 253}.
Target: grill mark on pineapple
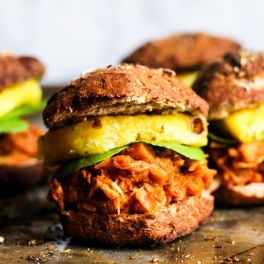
{"x": 97, "y": 123}
{"x": 197, "y": 126}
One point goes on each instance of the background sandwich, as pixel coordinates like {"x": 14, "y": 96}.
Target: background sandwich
{"x": 127, "y": 139}
{"x": 234, "y": 88}
{"x": 183, "y": 53}
{"x": 20, "y": 96}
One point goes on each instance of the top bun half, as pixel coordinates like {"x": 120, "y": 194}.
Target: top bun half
{"x": 121, "y": 90}
{"x": 14, "y": 70}
{"x": 232, "y": 82}
{"x": 182, "y": 52}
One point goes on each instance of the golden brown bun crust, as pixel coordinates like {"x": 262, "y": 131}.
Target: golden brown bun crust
{"x": 124, "y": 89}
{"x": 250, "y": 194}
{"x": 17, "y": 178}
{"x": 232, "y": 82}
{"x": 176, "y": 220}
{"x": 18, "y": 69}
{"x": 182, "y": 52}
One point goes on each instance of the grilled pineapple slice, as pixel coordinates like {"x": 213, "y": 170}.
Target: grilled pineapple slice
{"x": 244, "y": 125}
{"x": 27, "y": 92}
{"x": 101, "y": 134}
{"x": 188, "y": 78}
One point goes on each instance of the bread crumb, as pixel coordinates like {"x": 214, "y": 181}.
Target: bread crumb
{"x": 51, "y": 248}
{"x": 232, "y": 242}
{"x": 67, "y": 250}
{"x": 155, "y": 259}
{"x": 2, "y": 239}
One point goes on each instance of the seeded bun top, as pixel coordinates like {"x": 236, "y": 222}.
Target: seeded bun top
{"x": 182, "y": 52}
{"x": 233, "y": 82}
{"x": 18, "y": 69}
{"x": 121, "y": 90}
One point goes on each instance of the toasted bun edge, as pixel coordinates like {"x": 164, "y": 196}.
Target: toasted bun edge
{"x": 167, "y": 224}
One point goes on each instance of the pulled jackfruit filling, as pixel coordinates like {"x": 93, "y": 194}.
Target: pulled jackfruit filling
{"x": 104, "y": 133}
{"x": 239, "y": 164}
{"x": 16, "y": 148}
{"x": 140, "y": 179}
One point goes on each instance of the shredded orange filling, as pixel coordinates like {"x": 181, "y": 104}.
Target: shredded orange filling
{"x": 18, "y": 147}
{"x": 137, "y": 180}
{"x": 239, "y": 164}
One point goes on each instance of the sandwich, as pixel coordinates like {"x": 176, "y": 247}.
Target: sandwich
{"x": 126, "y": 141}
{"x": 234, "y": 89}
{"x": 184, "y": 53}
{"x": 20, "y": 96}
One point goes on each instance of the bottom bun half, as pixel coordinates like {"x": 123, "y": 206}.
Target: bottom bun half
{"x": 167, "y": 224}
{"x": 15, "y": 179}
{"x": 250, "y": 194}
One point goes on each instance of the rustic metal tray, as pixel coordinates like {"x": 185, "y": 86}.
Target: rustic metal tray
{"x": 30, "y": 232}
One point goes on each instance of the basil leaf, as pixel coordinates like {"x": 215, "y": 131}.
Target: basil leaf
{"x": 25, "y": 110}
{"x": 13, "y": 125}
{"x": 190, "y": 152}
{"x": 72, "y": 166}
{"x": 221, "y": 139}
{"x": 75, "y": 165}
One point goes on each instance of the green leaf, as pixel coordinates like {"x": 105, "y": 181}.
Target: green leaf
{"x": 13, "y": 125}
{"x": 75, "y": 165}
{"x": 216, "y": 138}
{"x": 72, "y": 166}
{"x": 25, "y": 110}
{"x": 190, "y": 152}
{"x": 12, "y": 122}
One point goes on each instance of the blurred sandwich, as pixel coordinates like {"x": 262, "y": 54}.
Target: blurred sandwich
{"x": 128, "y": 144}
{"x": 234, "y": 88}
{"x": 183, "y": 53}
{"x": 20, "y": 96}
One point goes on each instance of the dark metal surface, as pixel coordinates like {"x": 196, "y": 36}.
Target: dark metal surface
{"x": 30, "y": 232}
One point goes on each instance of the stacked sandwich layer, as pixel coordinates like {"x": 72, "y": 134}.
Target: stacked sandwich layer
{"x": 130, "y": 156}
{"x": 233, "y": 87}
{"x": 20, "y": 96}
